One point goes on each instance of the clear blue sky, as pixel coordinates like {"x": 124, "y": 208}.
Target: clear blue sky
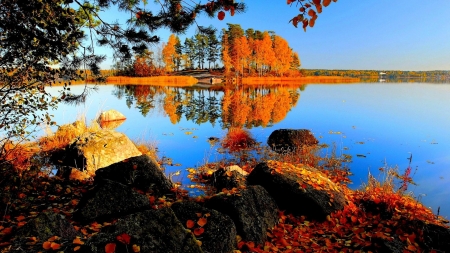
{"x": 351, "y": 34}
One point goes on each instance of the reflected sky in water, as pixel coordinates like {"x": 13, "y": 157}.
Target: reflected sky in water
{"x": 385, "y": 122}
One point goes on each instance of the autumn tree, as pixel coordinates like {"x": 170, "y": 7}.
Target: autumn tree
{"x": 283, "y": 56}
{"x": 169, "y": 54}
{"x": 240, "y": 55}
{"x": 226, "y": 58}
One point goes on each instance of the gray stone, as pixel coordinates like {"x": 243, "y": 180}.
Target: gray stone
{"x": 154, "y": 231}
{"x": 94, "y": 150}
{"x": 109, "y": 199}
{"x": 219, "y": 231}
{"x": 252, "y": 210}
{"x": 288, "y": 140}
{"x": 298, "y": 190}
{"x": 141, "y": 172}
{"x": 46, "y": 225}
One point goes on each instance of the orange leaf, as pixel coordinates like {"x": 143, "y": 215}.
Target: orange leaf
{"x": 77, "y": 241}
{"x": 354, "y": 219}
{"x": 110, "y": 248}
{"x": 198, "y": 231}
{"x": 124, "y": 238}
{"x": 190, "y": 223}
{"x": 76, "y": 248}
{"x": 412, "y": 248}
{"x": 221, "y": 15}
{"x": 202, "y": 221}
{"x": 47, "y": 245}
{"x": 53, "y": 238}
{"x": 136, "y": 248}
{"x": 20, "y": 218}
{"x": 55, "y": 245}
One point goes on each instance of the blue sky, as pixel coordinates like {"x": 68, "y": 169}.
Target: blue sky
{"x": 367, "y": 34}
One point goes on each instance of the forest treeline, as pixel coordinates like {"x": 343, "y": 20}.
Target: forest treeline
{"x": 235, "y": 51}
{"x": 376, "y": 74}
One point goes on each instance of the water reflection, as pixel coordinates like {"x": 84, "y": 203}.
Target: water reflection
{"x": 232, "y": 107}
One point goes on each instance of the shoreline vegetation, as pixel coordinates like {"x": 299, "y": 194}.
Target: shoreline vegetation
{"x": 191, "y": 78}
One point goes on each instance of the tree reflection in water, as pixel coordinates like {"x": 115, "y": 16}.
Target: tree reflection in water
{"x": 234, "y": 107}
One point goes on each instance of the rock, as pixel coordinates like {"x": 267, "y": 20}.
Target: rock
{"x": 213, "y": 140}
{"x": 109, "y": 199}
{"x": 141, "y": 172}
{"x": 46, "y": 225}
{"x": 111, "y": 115}
{"x": 219, "y": 231}
{"x": 434, "y": 236}
{"x": 252, "y": 210}
{"x": 298, "y": 190}
{"x": 227, "y": 179}
{"x": 288, "y": 140}
{"x": 95, "y": 150}
{"x": 237, "y": 169}
{"x": 154, "y": 231}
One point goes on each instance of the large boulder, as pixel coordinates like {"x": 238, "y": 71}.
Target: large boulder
{"x": 225, "y": 178}
{"x": 109, "y": 199}
{"x": 219, "y": 234}
{"x": 434, "y": 236}
{"x": 252, "y": 210}
{"x": 141, "y": 172}
{"x": 298, "y": 190}
{"x": 94, "y": 150}
{"x": 288, "y": 140}
{"x": 46, "y": 225}
{"x": 154, "y": 231}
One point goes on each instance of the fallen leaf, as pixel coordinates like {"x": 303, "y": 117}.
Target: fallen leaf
{"x": 110, "y": 248}
{"x": 124, "y": 238}
{"x": 198, "y": 231}
{"x": 77, "y": 241}
{"x": 190, "y": 223}
{"x": 47, "y": 245}
{"x": 202, "y": 221}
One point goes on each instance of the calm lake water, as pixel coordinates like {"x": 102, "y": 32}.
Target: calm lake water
{"x": 377, "y": 124}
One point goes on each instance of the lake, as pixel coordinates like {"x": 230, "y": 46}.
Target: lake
{"x": 378, "y": 124}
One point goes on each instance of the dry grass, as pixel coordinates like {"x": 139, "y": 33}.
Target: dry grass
{"x": 298, "y": 80}
{"x": 156, "y": 80}
{"x": 19, "y": 155}
{"x": 62, "y": 137}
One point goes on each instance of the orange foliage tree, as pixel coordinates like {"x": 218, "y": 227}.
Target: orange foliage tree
{"x": 169, "y": 54}
{"x": 226, "y": 58}
{"x": 240, "y": 54}
{"x": 257, "y": 51}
